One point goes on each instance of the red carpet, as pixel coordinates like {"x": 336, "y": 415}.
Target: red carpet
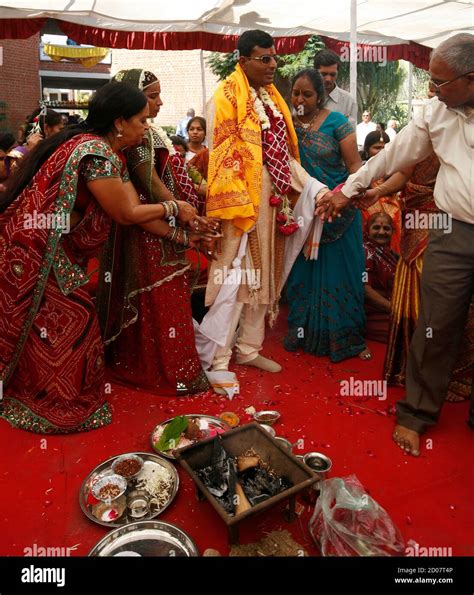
{"x": 429, "y": 498}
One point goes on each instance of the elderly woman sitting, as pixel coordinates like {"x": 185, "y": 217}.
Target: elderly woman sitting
{"x": 381, "y": 262}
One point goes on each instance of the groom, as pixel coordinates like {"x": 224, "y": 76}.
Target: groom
{"x": 254, "y": 181}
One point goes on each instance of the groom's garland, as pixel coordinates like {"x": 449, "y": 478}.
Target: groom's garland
{"x": 276, "y": 157}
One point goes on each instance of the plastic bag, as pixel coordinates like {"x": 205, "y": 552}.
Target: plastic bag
{"x": 348, "y": 522}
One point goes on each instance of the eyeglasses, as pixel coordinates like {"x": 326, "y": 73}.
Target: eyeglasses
{"x": 439, "y": 85}
{"x": 267, "y": 58}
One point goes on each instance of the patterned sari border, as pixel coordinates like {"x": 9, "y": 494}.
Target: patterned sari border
{"x": 21, "y": 417}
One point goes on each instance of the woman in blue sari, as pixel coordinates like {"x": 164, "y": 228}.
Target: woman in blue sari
{"x": 326, "y": 296}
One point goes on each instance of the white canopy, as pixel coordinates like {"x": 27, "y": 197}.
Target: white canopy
{"x": 387, "y": 22}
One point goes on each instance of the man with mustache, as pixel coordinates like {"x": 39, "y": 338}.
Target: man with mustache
{"x": 254, "y": 181}
{"x": 327, "y": 63}
{"x": 447, "y": 127}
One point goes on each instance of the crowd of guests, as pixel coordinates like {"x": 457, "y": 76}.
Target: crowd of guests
{"x": 141, "y": 201}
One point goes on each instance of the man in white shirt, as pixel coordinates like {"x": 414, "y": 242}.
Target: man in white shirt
{"x": 181, "y": 128}
{"x": 364, "y": 128}
{"x": 392, "y": 126}
{"x": 447, "y": 127}
{"x": 327, "y": 63}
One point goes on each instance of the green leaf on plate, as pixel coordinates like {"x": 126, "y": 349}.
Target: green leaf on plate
{"x": 170, "y": 438}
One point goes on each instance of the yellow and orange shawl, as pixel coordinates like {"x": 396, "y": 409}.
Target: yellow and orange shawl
{"x": 235, "y": 162}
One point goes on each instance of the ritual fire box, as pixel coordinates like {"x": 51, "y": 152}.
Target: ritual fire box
{"x": 237, "y": 442}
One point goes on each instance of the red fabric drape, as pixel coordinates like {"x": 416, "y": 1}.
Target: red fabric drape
{"x": 20, "y": 28}
{"x": 135, "y": 40}
{"x": 418, "y": 54}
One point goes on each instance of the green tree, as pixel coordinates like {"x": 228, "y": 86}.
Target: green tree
{"x": 378, "y": 87}
{"x": 222, "y": 64}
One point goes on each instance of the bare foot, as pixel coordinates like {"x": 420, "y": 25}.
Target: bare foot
{"x": 407, "y": 440}
{"x": 366, "y": 354}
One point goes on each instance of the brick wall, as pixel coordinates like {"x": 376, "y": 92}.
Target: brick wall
{"x": 73, "y": 67}
{"x": 179, "y": 73}
{"x": 180, "y": 78}
{"x": 19, "y": 80}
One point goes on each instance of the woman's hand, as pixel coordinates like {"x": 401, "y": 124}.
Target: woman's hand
{"x": 211, "y": 247}
{"x": 330, "y": 205}
{"x": 205, "y": 225}
{"x": 186, "y": 212}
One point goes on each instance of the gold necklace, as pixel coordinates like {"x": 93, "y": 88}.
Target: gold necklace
{"x": 308, "y": 125}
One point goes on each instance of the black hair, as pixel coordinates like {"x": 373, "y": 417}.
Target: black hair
{"x": 74, "y": 119}
{"x": 250, "y": 39}
{"x": 199, "y": 119}
{"x": 316, "y": 81}
{"x": 326, "y": 58}
{"x": 51, "y": 118}
{"x": 382, "y": 125}
{"x": 373, "y": 137}
{"x": 179, "y": 141}
{"x": 112, "y": 101}
{"x": 7, "y": 140}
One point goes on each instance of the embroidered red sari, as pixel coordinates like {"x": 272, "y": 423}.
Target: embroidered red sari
{"x": 51, "y": 353}
{"x": 380, "y": 264}
{"x": 145, "y": 310}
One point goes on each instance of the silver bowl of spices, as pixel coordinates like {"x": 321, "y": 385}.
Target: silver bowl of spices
{"x": 109, "y": 488}
{"x": 128, "y": 465}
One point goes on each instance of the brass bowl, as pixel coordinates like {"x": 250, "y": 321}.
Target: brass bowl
{"x": 267, "y": 418}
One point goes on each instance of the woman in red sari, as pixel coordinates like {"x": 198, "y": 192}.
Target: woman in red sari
{"x": 145, "y": 308}
{"x": 55, "y": 215}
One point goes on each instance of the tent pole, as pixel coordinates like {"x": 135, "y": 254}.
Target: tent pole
{"x": 410, "y": 90}
{"x": 203, "y": 81}
{"x": 353, "y": 50}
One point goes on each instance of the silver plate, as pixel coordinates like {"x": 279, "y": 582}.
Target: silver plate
{"x": 105, "y": 468}
{"x": 147, "y": 538}
{"x": 214, "y": 422}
